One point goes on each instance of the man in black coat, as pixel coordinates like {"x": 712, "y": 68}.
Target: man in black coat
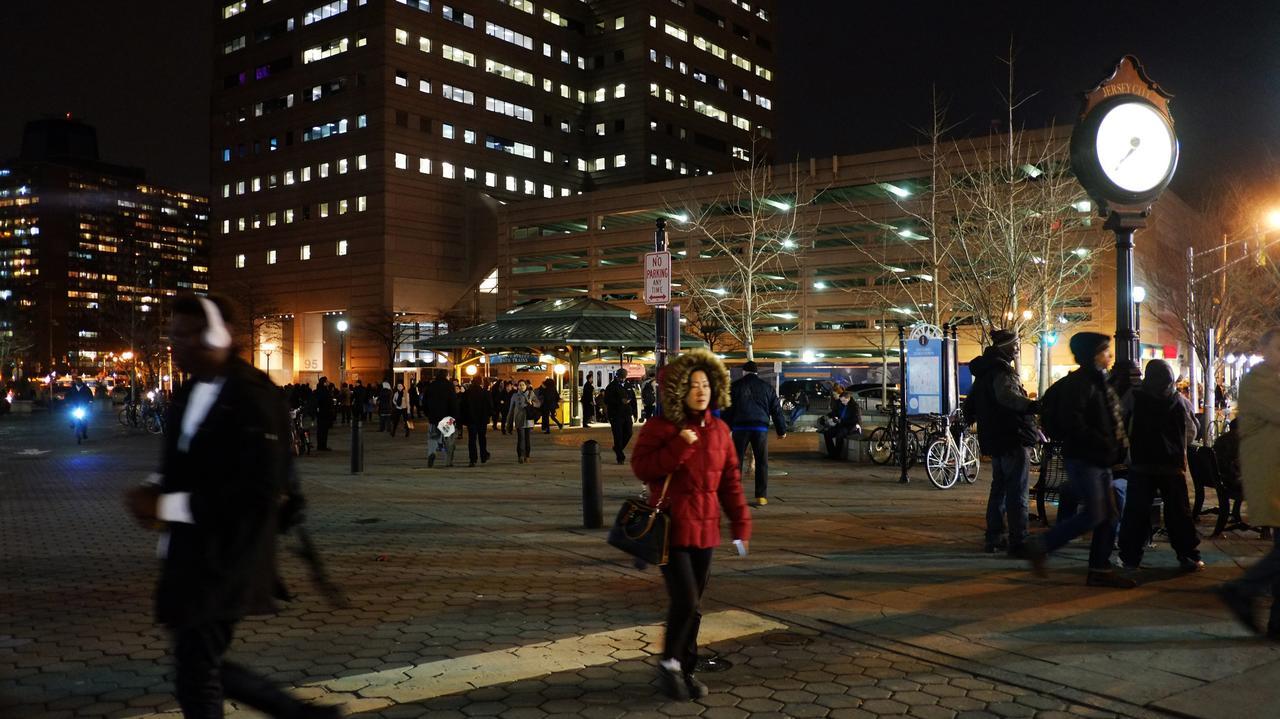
{"x": 1006, "y": 428}
{"x": 326, "y": 411}
{"x": 753, "y": 403}
{"x": 842, "y": 422}
{"x": 359, "y": 399}
{"x": 620, "y": 402}
{"x": 588, "y": 402}
{"x": 476, "y": 411}
{"x": 224, "y": 472}
{"x": 1082, "y": 411}
{"x": 440, "y": 401}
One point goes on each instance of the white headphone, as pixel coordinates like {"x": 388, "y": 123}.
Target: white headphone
{"x": 216, "y": 335}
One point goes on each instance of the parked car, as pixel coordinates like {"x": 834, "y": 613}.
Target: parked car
{"x": 870, "y": 399}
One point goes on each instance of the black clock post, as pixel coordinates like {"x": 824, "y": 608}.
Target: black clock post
{"x": 1124, "y": 152}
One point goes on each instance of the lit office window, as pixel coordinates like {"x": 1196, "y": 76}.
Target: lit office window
{"x": 362, "y": 203}
{"x": 239, "y": 261}
{"x": 362, "y": 162}
{"x": 619, "y": 160}
{"x": 447, "y": 170}
{"x": 620, "y": 90}
{"x": 446, "y": 130}
{"x": 402, "y": 161}
{"x": 490, "y": 179}
{"x": 424, "y": 165}
{"x": 271, "y": 257}
{"x": 619, "y": 23}
{"x": 342, "y": 247}
{"x": 402, "y": 37}
{"x": 342, "y": 207}
{"x": 324, "y": 209}
{"x": 305, "y": 252}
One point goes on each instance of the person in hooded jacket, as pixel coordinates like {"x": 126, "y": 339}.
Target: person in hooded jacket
{"x": 1082, "y": 411}
{"x": 999, "y": 404}
{"x": 1161, "y": 425}
{"x": 687, "y": 460}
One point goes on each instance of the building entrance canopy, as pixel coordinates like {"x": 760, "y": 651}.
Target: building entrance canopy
{"x": 577, "y": 323}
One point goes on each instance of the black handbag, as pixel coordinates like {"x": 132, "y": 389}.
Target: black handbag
{"x": 642, "y": 530}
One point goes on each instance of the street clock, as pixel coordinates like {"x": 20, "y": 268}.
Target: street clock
{"x": 1124, "y": 149}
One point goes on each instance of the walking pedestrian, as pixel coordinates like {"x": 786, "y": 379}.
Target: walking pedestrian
{"x": 325, "y": 412}
{"x": 588, "y": 402}
{"x": 549, "y": 396}
{"x": 1081, "y": 411}
{"x": 344, "y": 403}
{"x": 649, "y": 397}
{"x": 1160, "y": 426}
{"x": 225, "y": 464}
{"x": 476, "y": 411}
{"x": 754, "y": 404}
{"x": 498, "y": 398}
{"x": 520, "y": 414}
{"x": 385, "y": 407}
{"x": 1006, "y": 429}
{"x": 1258, "y": 410}
{"x": 687, "y": 460}
{"x": 359, "y": 398}
{"x": 401, "y": 410}
{"x": 441, "y": 402}
{"x": 415, "y": 399}
{"x": 620, "y": 402}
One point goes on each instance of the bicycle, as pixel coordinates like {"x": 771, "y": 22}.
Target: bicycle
{"x": 952, "y": 452}
{"x": 299, "y": 435}
{"x": 130, "y": 415}
{"x": 883, "y": 442}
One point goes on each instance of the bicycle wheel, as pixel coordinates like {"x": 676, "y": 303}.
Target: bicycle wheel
{"x": 154, "y": 424}
{"x": 880, "y": 446}
{"x": 940, "y": 462}
{"x": 971, "y": 460}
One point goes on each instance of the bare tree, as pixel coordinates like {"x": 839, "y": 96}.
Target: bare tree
{"x": 258, "y": 322}
{"x": 998, "y": 238}
{"x": 15, "y": 340}
{"x": 707, "y": 327}
{"x": 752, "y": 240}
{"x": 391, "y": 328}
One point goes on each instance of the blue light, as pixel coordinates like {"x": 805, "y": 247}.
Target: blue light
{"x": 1050, "y": 338}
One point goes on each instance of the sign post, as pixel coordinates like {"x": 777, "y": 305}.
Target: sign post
{"x": 657, "y": 289}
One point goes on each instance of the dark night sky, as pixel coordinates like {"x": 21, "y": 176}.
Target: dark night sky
{"x": 853, "y": 76}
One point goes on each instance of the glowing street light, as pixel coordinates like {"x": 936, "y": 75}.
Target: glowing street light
{"x": 1273, "y": 219}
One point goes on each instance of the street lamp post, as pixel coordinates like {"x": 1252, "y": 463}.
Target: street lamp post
{"x": 342, "y": 351}
{"x": 267, "y": 349}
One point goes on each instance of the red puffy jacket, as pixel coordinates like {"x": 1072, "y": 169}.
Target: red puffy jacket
{"x": 704, "y": 478}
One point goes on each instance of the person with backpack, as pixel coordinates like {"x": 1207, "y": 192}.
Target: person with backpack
{"x": 1006, "y": 429}
{"x": 1083, "y": 413}
{"x": 1160, "y": 426}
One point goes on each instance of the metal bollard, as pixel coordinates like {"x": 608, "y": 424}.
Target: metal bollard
{"x": 357, "y": 447}
{"x": 592, "y": 492}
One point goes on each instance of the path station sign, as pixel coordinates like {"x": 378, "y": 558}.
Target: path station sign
{"x": 657, "y": 278}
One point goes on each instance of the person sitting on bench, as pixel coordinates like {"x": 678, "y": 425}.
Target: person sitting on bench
{"x": 843, "y": 421}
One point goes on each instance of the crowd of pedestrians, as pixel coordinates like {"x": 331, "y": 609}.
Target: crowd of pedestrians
{"x": 226, "y": 484}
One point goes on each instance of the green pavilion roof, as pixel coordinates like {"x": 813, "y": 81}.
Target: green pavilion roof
{"x": 577, "y": 321}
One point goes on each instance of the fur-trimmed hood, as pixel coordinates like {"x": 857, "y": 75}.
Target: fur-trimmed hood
{"x": 674, "y": 382}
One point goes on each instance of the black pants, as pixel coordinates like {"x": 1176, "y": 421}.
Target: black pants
{"x": 476, "y": 433}
{"x": 835, "y": 440}
{"x": 588, "y": 414}
{"x": 621, "y": 427}
{"x": 323, "y": 424}
{"x": 686, "y": 575}
{"x": 759, "y": 442}
{"x": 203, "y": 678}
{"x": 524, "y": 438}
{"x": 549, "y": 416}
{"x": 1135, "y": 528}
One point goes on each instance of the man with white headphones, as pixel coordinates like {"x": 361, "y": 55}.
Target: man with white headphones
{"x": 224, "y": 472}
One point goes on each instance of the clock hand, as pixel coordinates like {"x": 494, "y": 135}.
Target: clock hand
{"x": 1133, "y": 147}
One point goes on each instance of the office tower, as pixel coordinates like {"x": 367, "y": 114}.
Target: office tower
{"x": 361, "y": 148}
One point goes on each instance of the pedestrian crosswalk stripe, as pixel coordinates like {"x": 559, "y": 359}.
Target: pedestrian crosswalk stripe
{"x": 420, "y": 682}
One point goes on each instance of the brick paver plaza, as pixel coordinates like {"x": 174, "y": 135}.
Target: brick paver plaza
{"x": 476, "y": 592}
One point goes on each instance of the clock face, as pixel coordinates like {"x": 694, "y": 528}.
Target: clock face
{"x": 1135, "y": 146}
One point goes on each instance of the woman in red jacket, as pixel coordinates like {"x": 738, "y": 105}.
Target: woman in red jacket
{"x": 695, "y": 449}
